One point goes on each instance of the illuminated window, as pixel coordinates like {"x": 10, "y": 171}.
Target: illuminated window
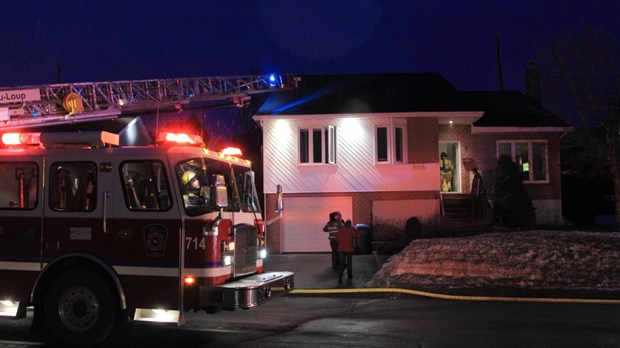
{"x": 390, "y": 144}
{"x": 317, "y": 145}
{"x": 530, "y": 155}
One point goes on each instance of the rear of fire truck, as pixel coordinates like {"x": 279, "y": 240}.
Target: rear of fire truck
{"x": 161, "y": 230}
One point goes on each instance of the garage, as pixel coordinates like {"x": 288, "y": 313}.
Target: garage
{"x": 303, "y": 221}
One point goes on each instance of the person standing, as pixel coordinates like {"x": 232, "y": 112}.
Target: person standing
{"x": 478, "y": 194}
{"x": 447, "y": 170}
{"x": 332, "y": 227}
{"x": 345, "y": 238}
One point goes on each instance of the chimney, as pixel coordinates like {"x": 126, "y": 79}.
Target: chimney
{"x": 532, "y": 82}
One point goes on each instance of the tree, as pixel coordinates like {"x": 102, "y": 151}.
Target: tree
{"x": 581, "y": 80}
{"x": 512, "y": 205}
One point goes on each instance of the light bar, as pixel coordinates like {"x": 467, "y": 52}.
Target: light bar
{"x": 179, "y": 138}
{"x": 231, "y": 151}
{"x": 21, "y": 139}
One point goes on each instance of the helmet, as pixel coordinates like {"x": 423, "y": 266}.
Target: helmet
{"x": 187, "y": 177}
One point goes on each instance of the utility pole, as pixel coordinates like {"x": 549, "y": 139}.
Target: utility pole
{"x": 500, "y": 70}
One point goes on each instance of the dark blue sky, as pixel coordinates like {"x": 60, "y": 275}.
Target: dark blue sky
{"x": 128, "y": 40}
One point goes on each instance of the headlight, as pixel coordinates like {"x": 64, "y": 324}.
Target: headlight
{"x": 227, "y": 260}
{"x": 262, "y": 253}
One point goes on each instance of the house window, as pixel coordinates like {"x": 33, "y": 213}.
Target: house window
{"x": 529, "y": 155}
{"x": 330, "y": 151}
{"x": 390, "y": 144}
{"x": 382, "y": 144}
{"x": 317, "y": 145}
{"x": 398, "y": 144}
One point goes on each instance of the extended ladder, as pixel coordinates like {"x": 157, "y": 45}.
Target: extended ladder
{"x": 88, "y": 101}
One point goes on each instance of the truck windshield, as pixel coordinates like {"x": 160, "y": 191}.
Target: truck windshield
{"x": 208, "y": 185}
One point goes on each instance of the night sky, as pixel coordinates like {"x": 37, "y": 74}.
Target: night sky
{"x": 129, "y": 40}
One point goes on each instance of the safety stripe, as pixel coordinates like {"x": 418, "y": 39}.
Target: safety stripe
{"x": 130, "y": 270}
{"x": 172, "y": 272}
{"x": 20, "y": 266}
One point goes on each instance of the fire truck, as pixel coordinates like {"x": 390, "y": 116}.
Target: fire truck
{"x": 99, "y": 226}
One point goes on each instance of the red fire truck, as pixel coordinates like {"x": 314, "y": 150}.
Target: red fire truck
{"x": 93, "y": 231}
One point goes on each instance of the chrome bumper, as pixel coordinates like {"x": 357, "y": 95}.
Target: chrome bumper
{"x": 247, "y": 292}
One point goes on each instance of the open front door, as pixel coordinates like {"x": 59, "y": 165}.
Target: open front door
{"x": 449, "y": 155}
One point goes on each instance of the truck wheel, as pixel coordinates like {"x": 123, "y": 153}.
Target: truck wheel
{"x": 80, "y": 309}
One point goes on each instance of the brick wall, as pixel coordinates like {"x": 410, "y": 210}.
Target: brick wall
{"x": 422, "y": 140}
{"x": 479, "y": 150}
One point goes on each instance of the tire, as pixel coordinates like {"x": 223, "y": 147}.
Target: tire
{"x": 80, "y": 309}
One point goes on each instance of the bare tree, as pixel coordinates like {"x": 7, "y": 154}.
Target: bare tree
{"x": 581, "y": 80}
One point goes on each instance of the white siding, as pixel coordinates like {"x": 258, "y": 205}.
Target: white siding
{"x": 355, "y": 169}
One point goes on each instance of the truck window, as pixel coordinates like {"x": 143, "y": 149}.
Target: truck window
{"x": 73, "y": 186}
{"x": 197, "y": 182}
{"x": 19, "y": 185}
{"x": 145, "y": 185}
{"x": 245, "y": 181}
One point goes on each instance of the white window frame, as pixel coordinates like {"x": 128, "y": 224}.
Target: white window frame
{"x": 391, "y": 142}
{"x": 530, "y": 154}
{"x": 328, "y": 145}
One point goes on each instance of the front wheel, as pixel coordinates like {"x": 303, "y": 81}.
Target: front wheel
{"x": 80, "y": 308}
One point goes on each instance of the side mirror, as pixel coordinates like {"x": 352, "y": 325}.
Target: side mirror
{"x": 220, "y": 191}
{"x": 279, "y": 206}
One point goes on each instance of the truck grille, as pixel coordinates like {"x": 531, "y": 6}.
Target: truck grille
{"x": 245, "y": 250}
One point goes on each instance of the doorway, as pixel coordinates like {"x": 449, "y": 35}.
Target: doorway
{"x": 453, "y": 154}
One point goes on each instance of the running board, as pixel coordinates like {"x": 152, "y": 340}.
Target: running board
{"x": 247, "y": 292}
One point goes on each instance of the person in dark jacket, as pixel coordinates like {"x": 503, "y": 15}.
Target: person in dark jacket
{"x": 346, "y": 246}
{"x": 332, "y": 227}
{"x": 478, "y": 195}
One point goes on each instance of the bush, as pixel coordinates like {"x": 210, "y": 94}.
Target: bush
{"x": 512, "y": 205}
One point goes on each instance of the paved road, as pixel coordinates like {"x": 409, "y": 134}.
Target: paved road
{"x": 368, "y": 320}
{"x": 376, "y": 320}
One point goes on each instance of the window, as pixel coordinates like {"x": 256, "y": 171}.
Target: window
{"x": 208, "y": 185}
{"x": 73, "y": 186}
{"x": 317, "y": 145}
{"x": 146, "y": 185}
{"x": 390, "y": 144}
{"x": 529, "y": 155}
{"x": 19, "y": 185}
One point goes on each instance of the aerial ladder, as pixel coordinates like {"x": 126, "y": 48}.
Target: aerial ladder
{"x": 67, "y": 103}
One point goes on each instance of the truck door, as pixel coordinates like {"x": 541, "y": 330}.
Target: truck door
{"x": 74, "y": 207}
{"x": 144, "y": 226}
{"x": 20, "y": 224}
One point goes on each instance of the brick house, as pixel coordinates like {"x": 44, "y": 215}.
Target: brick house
{"x": 369, "y": 146}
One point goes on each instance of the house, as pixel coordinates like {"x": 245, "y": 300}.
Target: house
{"x": 369, "y": 146}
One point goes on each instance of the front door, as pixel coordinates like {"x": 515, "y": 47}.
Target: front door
{"x": 449, "y": 167}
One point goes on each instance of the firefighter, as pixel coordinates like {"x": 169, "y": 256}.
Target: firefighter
{"x": 194, "y": 192}
{"x": 332, "y": 227}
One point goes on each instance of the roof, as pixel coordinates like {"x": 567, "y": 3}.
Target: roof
{"x": 512, "y": 109}
{"x": 366, "y": 93}
{"x": 406, "y": 93}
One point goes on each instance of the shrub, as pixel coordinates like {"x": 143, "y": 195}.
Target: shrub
{"x": 512, "y": 205}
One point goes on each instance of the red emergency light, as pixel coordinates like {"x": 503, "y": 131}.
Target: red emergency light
{"x": 13, "y": 139}
{"x": 179, "y": 138}
{"x": 231, "y": 151}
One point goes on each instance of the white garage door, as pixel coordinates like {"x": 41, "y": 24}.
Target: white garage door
{"x": 303, "y": 221}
